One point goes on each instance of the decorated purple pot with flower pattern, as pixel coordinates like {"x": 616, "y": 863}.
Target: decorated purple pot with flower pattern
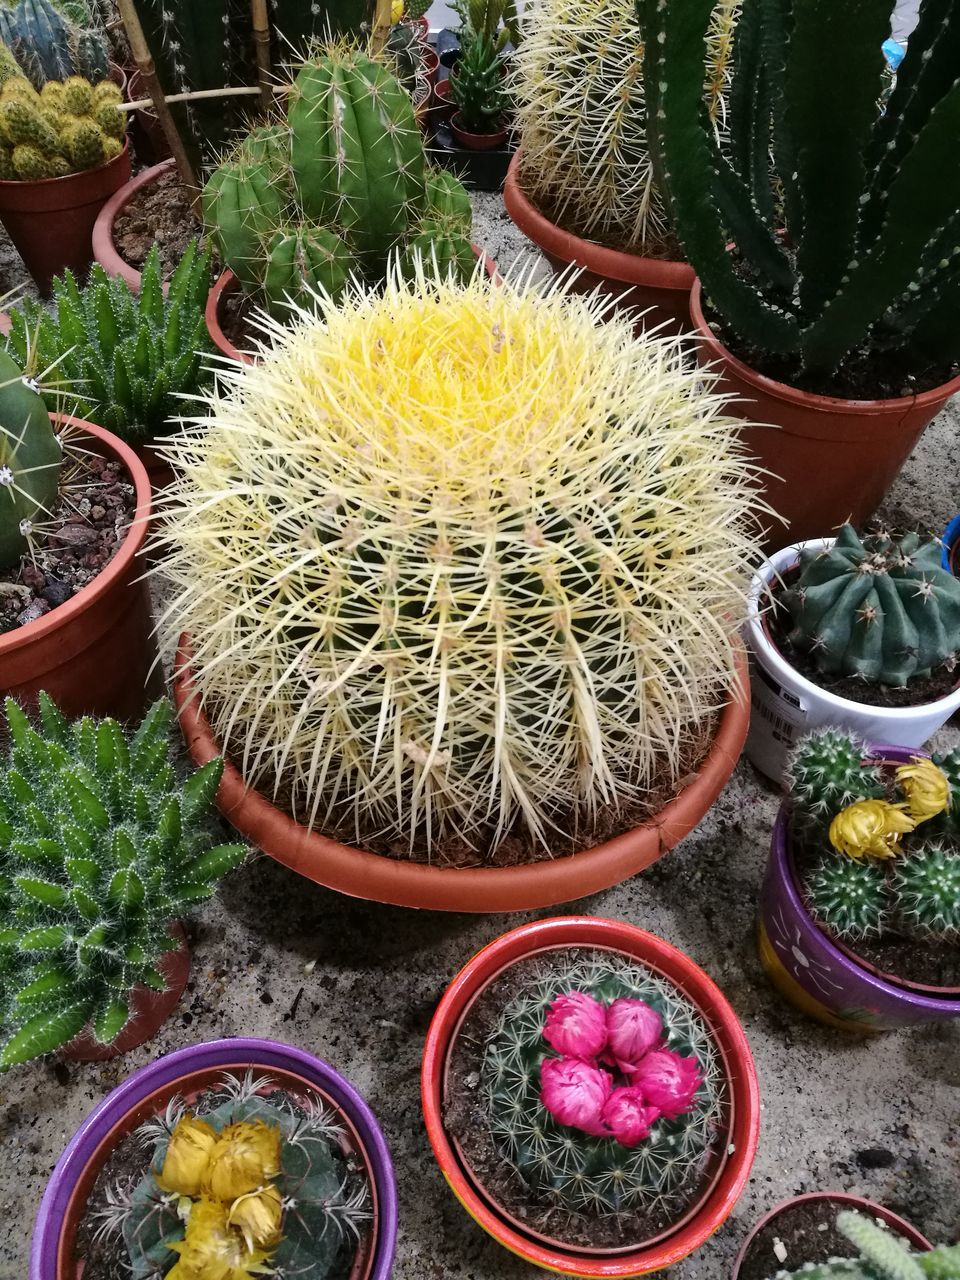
{"x": 811, "y": 971}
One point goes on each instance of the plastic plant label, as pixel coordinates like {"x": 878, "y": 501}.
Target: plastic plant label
{"x": 778, "y": 720}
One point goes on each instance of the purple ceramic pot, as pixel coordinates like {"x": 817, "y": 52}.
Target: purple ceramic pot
{"x": 146, "y": 1092}
{"x": 813, "y": 973}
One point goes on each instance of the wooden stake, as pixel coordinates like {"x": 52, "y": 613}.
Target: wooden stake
{"x": 260, "y": 20}
{"x": 381, "y": 25}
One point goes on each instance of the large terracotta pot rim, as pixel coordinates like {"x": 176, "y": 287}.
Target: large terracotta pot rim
{"x": 363, "y": 874}
{"x": 613, "y": 264}
{"x": 131, "y": 546}
{"x": 8, "y": 186}
{"x": 699, "y": 988}
{"x": 845, "y": 1200}
{"x": 884, "y": 410}
{"x": 104, "y": 248}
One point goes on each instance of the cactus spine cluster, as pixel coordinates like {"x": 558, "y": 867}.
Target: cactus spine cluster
{"x": 883, "y": 1256}
{"x": 875, "y": 607}
{"x": 508, "y": 599}
{"x": 67, "y": 127}
{"x": 51, "y": 42}
{"x": 30, "y": 459}
{"x": 572, "y": 1170}
{"x": 100, "y": 850}
{"x": 829, "y": 770}
{"x": 578, "y": 89}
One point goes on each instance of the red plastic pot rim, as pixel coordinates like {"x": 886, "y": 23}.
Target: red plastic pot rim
{"x": 476, "y": 141}
{"x": 827, "y": 405}
{"x": 697, "y": 986}
{"x": 39, "y": 195}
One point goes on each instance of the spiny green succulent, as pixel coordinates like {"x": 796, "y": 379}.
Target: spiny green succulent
{"x": 100, "y": 849}
{"x": 30, "y": 460}
{"x": 478, "y": 86}
{"x": 927, "y": 888}
{"x": 123, "y": 359}
{"x": 52, "y": 41}
{"x": 948, "y": 822}
{"x": 827, "y": 772}
{"x": 66, "y": 128}
{"x": 303, "y": 260}
{"x": 851, "y": 897}
{"x": 883, "y": 1256}
{"x": 570, "y": 1169}
{"x": 875, "y": 607}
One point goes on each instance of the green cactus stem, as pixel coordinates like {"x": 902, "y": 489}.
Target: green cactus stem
{"x": 301, "y": 262}
{"x": 48, "y": 44}
{"x": 883, "y": 1256}
{"x": 927, "y": 886}
{"x": 849, "y": 897}
{"x": 30, "y": 459}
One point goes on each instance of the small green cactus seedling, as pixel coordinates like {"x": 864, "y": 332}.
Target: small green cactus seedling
{"x": 873, "y": 607}
{"x": 828, "y": 771}
{"x": 66, "y": 128}
{"x": 100, "y": 849}
{"x": 883, "y": 1256}
{"x": 30, "y": 459}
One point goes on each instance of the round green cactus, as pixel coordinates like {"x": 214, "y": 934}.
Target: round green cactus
{"x": 927, "y": 884}
{"x": 243, "y": 204}
{"x": 873, "y": 607}
{"x": 446, "y": 197}
{"x": 30, "y": 458}
{"x": 849, "y": 897}
{"x": 439, "y": 242}
{"x": 828, "y": 771}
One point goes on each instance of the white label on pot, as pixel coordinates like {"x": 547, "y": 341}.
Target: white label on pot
{"x": 778, "y": 720}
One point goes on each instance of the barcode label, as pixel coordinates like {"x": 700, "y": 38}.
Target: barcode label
{"x": 777, "y": 723}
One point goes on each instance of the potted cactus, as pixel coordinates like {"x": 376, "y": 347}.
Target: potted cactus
{"x": 590, "y": 1097}
{"x": 481, "y": 686}
{"x": 841, "y": 332}
{"x": 48, "y": 43}
{"x": 581, "y": 186}
{"x": 62, "y": 154}
{"x": 101, "y": 850}
{"x": 232, "y": 1158}
{"x": 477, "y": 81}
{"x": 859, "y": 632}
{"x": 860, "y": 908}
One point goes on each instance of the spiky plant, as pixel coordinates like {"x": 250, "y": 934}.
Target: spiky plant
{"x": 454, "y": 557}
{"x": 850, "y": 897}
{"x": 53, "y": 41}
{"x": 570, "y": 1169}
{"x": 577, "y": 83}
{"x": 829, "y": 770}
{"x": 68, "y": 127}
{"x": 927, "y": 889}
{"x": 100, "y": 849}
{"x": 30, "y": 461}
{"x": 883, "y": 1256}
{"x": 948, "y": 822}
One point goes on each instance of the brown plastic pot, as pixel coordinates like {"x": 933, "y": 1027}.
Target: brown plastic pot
{"x": 95, "y": 654}
{"x": 475, "y": 141}
{"x": 831, "y": 460}
{"x": 51, "y": 221}
{"x": 362, "y": 874}
{"x": 843, "y": 1201}
{"x": 658, "y": 289}
{"x": 149, "y": 1009}
{"x": 104, "y": 246}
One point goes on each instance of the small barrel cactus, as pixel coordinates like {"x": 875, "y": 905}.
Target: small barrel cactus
{"x": 927, "y": 889}
{"x": 874, "y": 607}
{"x": 828, "y": 771}
{"x": 850, "y": 897}
{"x": 243, "y": 205}
{"x": 100, "y": 849}
{"x": 68, "y": 127}
{"x": 30, "y": 459}
{"x": 883, "y": 1256}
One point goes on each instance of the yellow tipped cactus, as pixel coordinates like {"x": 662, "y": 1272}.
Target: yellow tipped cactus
{"x": 66, "y": 128}
{"x": 460, "y": 559}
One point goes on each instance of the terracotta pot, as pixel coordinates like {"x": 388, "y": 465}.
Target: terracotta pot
{"x": 831, "y": 460}
{"x": 659, "y": 289}
{"x": 95, "y": 654}
{"x": 737, "y": 1068}
{"x": 443, "y": 103}
{"x": 842, "y": 1200}
{"x": 475, "y": 141}
{"x": 187, "y": 1073}
{"x": 51, "y": 221}
{"x": 150, "y": 1008}
{"x": 362, "y": 874}
{"x": 104, "y": 248}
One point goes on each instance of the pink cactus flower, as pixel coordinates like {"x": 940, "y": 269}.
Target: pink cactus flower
{"x": 633, "y": 1029}
{"x": 576, "y": 1026}
{"x": 668, "y": 1081}
{"x": 628, "y": 1117}
{"x": 575, "y": 1093}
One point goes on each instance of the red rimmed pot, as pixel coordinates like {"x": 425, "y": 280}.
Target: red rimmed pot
{"x": 853, "y": 448}
{"x": 839, "y": 1200}
{"x": 96, "y": 653}
{"x": 104, "y": 247}
{"x": 661, "y": 289}
{"x": 51, "y": 221}
{"x": 362, "y": 874}
{"x": 149, "y": 1009}
{"x": 475, "y": 141}
{"x": 737, "y": 1064}
{"x": 186, "y": 1073}
{"x": 443, "y": 103}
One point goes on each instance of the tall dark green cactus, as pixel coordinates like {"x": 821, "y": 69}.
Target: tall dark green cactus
{"x": 868, "y": 201}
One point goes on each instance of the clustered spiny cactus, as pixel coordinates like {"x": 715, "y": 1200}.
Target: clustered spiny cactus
{"x": 883, "y": 1256}
{"x": 100, "y": 849}
{"x": 67, "y": 127}
{"x": 52, "y": 41}
{"x": 30, "y": 461}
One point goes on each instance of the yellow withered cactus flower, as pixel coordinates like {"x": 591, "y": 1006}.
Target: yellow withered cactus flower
{"x": 211, "y": 1250}
{"x": 926, "y": 788}
{"x": 257, "y": 1217}
{"x": 187, "y": 1157}
{"x": 870, "y": 828}
{"x": 246, "y": 1156}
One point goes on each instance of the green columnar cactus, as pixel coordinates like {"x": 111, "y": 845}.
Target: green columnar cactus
{"x": 827, "y": 772}
{"x": 48, "y": 44}
{"x": 68, "y": 127}
{"x": 871, "y": 265}
{"x": 446, "y": 197}
{"x": 30, "y": 458}
{"x": 573, "y": 1170}
{"x": 243, "y": 204}
{"x": 849, "y": 897}
{"x": 927, "y": 887}
{"x": 873, "y": 607}
{"x": 301, "y": 261}
{"x": 883, "y": 1256}
{"x": 478, "y": 84}
{"x": 99, "y": 851}
{"x": 438, "y": 242}
{"x": 122, "y": 359}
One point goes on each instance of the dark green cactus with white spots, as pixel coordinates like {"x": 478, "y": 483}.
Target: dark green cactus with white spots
{"x": 100, "y": 849}
{"x": 882, "y": 1256}
{"x": 882, "y": 609}
{"x": 30, "y": 459}
{"x": 570, "y": 1169}
{"x": 828, "y": 771}
{"x": 927, "y": 889}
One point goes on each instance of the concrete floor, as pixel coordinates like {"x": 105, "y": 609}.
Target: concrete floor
{"x": 878, "y": 1116}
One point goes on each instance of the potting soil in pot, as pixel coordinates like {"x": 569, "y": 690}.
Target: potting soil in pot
{"x": 160, "y": 213}
{"x": 804, "y": 1232}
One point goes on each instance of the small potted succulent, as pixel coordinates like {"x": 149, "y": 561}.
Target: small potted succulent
{"x": 223, "y": 1161}
{"x": 951, "y": 547}
{"x": 832, "y": 1236}
{"x": 101, "y": 853}
{"x": 862, "y": 632}
{"x": 479, "y": 122}
{"x": 590, "y": 1097}
{"x": 860, "y": 907}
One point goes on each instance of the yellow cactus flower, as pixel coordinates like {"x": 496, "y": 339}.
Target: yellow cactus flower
{"x": 396, "y": 11}
{"x": 926, "y": 788}
{"x": 870, "y": 828}
{"x": 212, "y": 1251}
{"x": 188, "y": 1152}
{"x": 246, "y": 1156}
{"x": 257, "y": 1217}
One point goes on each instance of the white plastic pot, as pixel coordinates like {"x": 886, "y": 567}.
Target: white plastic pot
{"x": 785, "y": 705}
